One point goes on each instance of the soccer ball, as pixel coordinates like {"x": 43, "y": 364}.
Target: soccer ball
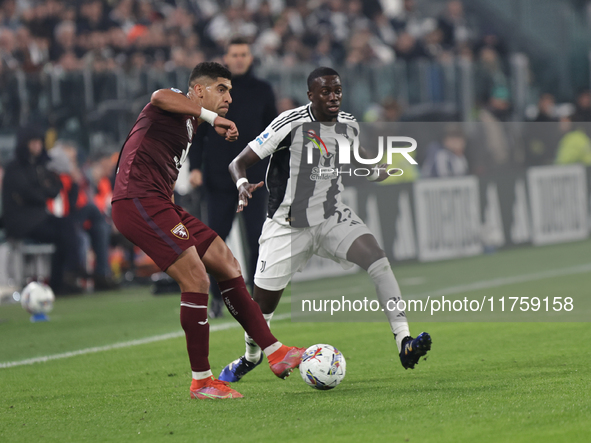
{"x": 323, "y": 367}
{"x": 37, "y": 298}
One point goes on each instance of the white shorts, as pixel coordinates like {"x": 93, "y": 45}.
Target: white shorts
{"x": 284, "y": 250}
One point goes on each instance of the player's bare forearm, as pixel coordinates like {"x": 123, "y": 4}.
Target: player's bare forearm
{"x": 171, "y": 101}
{"x": 237, "y": 168}
{"x": 242, "y": 162}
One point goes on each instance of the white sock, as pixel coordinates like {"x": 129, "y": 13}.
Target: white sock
{"x": 253, "y": 352}
{"x": 387, "y": 289}
{"x": 274, "y": 347}
{"x": 202, "y": 375}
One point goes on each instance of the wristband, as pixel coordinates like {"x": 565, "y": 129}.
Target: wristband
{"x": 207, "y": 116}
{"x": 374, "y": 175}
{"x": 241, "y": 181}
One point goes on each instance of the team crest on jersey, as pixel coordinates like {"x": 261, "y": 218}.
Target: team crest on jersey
{"x": 180, "y": 231}
{"x": 190, "y": 128}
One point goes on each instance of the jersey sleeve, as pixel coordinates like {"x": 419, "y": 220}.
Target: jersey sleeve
{"x": 269, "y": 140}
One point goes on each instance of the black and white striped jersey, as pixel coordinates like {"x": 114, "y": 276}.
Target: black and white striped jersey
{"x": 302, "y": 179}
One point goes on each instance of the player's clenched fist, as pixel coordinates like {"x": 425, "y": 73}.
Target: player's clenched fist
{"x": 226, "y": 128}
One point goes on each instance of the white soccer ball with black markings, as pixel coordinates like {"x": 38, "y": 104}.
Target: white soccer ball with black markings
{"x": 37, "y": 298}
{"x": 323, "y": 366}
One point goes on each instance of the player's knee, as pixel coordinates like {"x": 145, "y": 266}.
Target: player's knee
{"x": 226, "y": 266}
{"x": 237, "y": 267}
{"x": 232, "y": 268}
{"x": 194, "y": 281}
{"x": 191, "y": 276}
{"x": 365, "y": 251}
{"x": 376, "y": 254}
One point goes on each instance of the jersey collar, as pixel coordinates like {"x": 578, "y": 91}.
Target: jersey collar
{"x": 309, "y": 109}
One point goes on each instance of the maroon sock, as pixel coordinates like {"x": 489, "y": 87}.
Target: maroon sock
{"x": 246, "y": 311}
{"x": 196, "y": 327}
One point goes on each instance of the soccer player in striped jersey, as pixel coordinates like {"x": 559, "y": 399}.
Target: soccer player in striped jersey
{"x": 306, "y": 215}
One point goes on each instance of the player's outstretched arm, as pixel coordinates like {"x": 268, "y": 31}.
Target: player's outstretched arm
{"x": 237, "y": 168}
{"x": 171, "y": 101}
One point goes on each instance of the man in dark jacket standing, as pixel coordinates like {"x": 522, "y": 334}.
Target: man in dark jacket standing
{"x": 27, "y": 186}
{"x": 253, "y": 108}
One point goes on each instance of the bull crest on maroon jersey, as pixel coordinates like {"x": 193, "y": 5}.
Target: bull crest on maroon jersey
{"x": 180, "y": 231}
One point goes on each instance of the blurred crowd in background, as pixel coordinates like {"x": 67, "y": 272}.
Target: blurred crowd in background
{"x": 152, "y": 43}
{"x": 133, "y": 34}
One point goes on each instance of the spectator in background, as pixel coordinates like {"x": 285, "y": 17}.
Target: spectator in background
{"x": 228, "y": 23}
{"x": 454, "y": 25}
{"x": 392, "y": 111}
{"x": 98, "y": 173}
{"x": 75, "y": 201}
{"x": 575, "y": 145}
{"x": 122, "y": 15}
{"x": 542, "y": 134}
{"x": 494, "y": 153}
{"x": 65, "y": 41}
{"x": 490, "y": 76}
{"x": 293, "y": 52}
{"x": 411, "y": 21}
{"x": 9, "y": 15}
{"x": 491, "y": 39}
{"x": 31, "y": 52}
{"x": 26, "y": 187}
{"x": 92, "y": 17}
{"x": 583, "y": 107}
{"x": 546, "y": 105}
{"x": 7, "y": 48}
{"x": 389, "y": 110}
{"x": 268, "y": 44}
{"x": 355, "y": 17}
{"x": 409, "y": 48}
{"x": 252, "y": 109}
{"x": 322, "y": 53}
{"x": 499, "y": 105}
{"x": 446, "y": 158}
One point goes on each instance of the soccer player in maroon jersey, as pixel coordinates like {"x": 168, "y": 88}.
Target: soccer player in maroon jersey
{"x": 185, "y": 248}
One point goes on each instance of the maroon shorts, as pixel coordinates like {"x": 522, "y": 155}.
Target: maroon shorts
{"x": 160, "y": 228}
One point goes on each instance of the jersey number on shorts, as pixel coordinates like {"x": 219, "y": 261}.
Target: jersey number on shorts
{"x": 345, "y": 216}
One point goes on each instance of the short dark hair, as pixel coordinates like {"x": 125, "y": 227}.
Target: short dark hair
{"x": 320, "y": 72}
{"x": 238, "y": 40}
{"x": 213, "y": 70}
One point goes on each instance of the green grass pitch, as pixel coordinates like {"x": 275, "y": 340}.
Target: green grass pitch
{"x": 482, "y": 381}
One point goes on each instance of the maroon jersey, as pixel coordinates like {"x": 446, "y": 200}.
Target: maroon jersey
{"x": 153, "y": 153}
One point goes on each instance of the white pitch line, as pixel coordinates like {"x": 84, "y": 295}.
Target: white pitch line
{"x": 474, "y": 286}
{"x": 497, "y": 282}
{"x": 125, "y": 344}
